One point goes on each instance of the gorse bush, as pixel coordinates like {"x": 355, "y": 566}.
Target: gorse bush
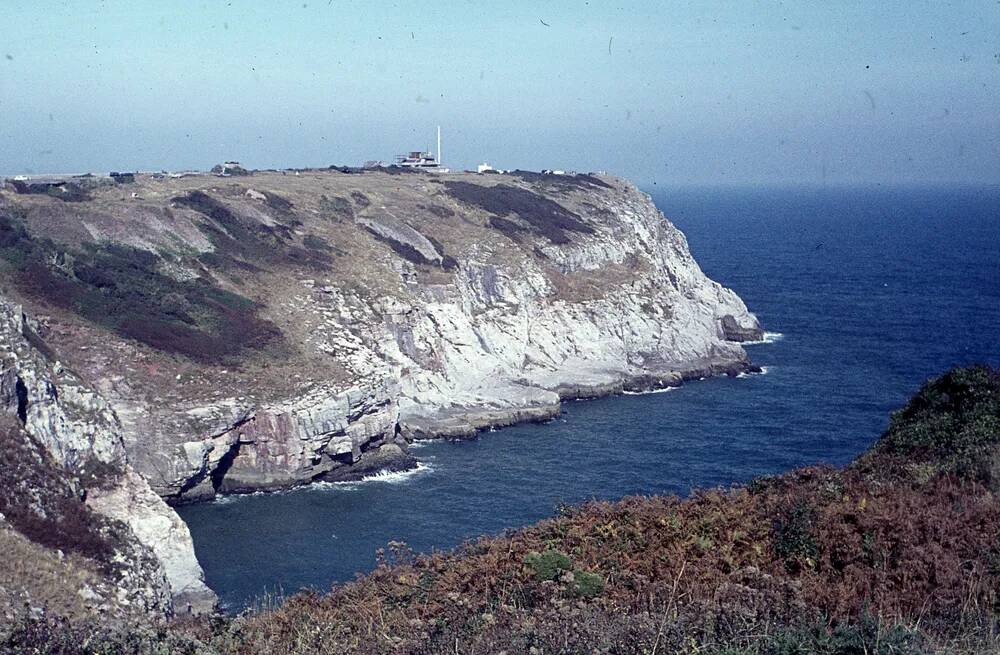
{"x": 544, "y": 217}
{"x": 587, "y": 584}
{"x": 793, "y": 536}
{"x": 548, "y": 565}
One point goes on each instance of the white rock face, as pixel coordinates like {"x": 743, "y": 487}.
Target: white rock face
{"x": 81, "y": 433}
{"x": 236, "y": 446}
{"x": 158, "y": 526}
{"x": 496, "y": 345}
{"x": 407, "y": 305}
{"x": 72, "y": 421}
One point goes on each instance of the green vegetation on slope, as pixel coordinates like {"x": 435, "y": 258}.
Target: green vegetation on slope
{"x": 897, "y": 553}
{"x": 123, "y": 289}
{"x": 545, "y": 217}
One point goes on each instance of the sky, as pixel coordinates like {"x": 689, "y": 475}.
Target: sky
{"x": 664, "y": 93}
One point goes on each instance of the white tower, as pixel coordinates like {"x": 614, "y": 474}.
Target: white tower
{"x": 439, "y": 146}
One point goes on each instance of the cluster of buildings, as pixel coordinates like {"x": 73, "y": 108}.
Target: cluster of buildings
{"x": 431, "y": 162}
{"x": 416, "y": 160}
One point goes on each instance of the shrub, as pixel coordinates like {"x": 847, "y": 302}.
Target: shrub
{"x": 52, "y": 635}
{"x": 278, "y": 203}
{"x": 587, "y": 584}
{"x": 38, "y": 502}
{"x": 313, "y": 242}
{"x": 122, "y": 289}
{"x": 360, "y": 199}
{"x": 256, "y": 238}
{"x": 404, "y": 250}
{"x": 337, "y": 207}
{"x": 793, "y": 538}
{"x": 548, "y": 565}
{"x": 952, "y": 423}
{"x": 580, "y": 180}
{"x": 864, "y": 637}
{"x": 438, "y": 210}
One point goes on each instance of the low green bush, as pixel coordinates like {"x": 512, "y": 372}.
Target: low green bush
{"x": 549, "y": 564}
{"x": 952, "y": 424}
{"x": 793, "y": 537}
{"x": 587, "y": 584}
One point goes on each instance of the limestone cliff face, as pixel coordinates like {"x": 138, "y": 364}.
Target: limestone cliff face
{"x": 235, "y": 444}
{"x": 79, "y": 450}
{"x": 500, "y": 344}
{"x": 283, "y": 327}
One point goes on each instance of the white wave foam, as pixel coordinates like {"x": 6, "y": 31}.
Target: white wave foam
{"x": 769, "y": 337}
{"x": 386, "y": 476}
{"x": 649, "y": 391}
{"x": 389, "y": 477}
{"x": 420, "y": 443}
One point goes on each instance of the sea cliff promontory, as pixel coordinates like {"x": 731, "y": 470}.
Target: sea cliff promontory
{"x": 213, "y": 334}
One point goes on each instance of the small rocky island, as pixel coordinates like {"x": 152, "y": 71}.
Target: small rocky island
{"x": 167, "y": 338}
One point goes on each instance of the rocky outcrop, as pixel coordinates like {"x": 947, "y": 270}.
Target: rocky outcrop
{"x": 282, "y": 445}
{"x": 733, "y": 331}
{"x": 157, "y": 526}
{"x": 80, "y": 447}
{"x": 191, "y": 452}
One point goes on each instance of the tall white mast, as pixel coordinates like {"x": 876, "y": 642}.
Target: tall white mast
{"x": 439, "y": 146}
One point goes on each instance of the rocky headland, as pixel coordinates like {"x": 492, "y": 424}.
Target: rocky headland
{"x": 172, "y": 338}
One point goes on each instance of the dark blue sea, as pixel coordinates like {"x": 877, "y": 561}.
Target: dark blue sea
{"x": 871, "y": 290}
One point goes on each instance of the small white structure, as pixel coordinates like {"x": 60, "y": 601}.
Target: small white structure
{"x": 424, "y": 161}
{"x": 484, "y": 168}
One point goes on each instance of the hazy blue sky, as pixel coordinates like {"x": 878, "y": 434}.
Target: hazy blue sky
{"x": 664, "y": 92}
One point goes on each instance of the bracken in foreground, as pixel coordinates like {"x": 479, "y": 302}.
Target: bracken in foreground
{"x": 897, "y": 553}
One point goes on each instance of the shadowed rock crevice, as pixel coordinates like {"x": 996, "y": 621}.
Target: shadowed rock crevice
{"x": 22, "y": 400}
{"x": 218, "y": 474}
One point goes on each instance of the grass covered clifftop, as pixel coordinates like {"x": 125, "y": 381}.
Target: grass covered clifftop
{"x": 899, "y": 552}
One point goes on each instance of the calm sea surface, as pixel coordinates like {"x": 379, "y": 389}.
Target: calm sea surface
{"x": 872, "y": 291}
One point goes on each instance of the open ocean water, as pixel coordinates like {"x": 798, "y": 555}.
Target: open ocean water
{"x": 866, "y": 293}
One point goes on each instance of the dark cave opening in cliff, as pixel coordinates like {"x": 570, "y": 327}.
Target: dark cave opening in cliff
{"x": 219, "y": 472}
{"x": 21, "y": 392}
